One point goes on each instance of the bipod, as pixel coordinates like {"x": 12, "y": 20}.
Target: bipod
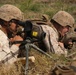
{"x": 27, "y": 47}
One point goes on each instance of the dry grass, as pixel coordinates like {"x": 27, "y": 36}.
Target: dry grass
{"x": 14, "y": 69}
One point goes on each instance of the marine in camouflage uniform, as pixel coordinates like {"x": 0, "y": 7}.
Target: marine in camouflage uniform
{"x": 60, "y": 23}
{"x": 8, "y": 54}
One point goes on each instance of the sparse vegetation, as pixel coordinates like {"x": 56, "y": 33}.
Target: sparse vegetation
{"x": 49, "y": 7}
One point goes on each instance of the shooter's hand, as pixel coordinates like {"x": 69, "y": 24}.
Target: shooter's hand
{"x": 68, "y": 44}
{"x": 16, "y": 38}
{"x": 61, "y": 44}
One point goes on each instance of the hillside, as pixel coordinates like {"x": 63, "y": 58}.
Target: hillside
{"x": 35, "y": 9}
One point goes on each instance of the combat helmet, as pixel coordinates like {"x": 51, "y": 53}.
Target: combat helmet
{"x": 8, "y": 12}
{"x": 64, "y": 18}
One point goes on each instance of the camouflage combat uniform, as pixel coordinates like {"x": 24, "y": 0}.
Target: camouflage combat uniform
{"x": 51, "y": 40}
{"x": 6, "y": 51}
